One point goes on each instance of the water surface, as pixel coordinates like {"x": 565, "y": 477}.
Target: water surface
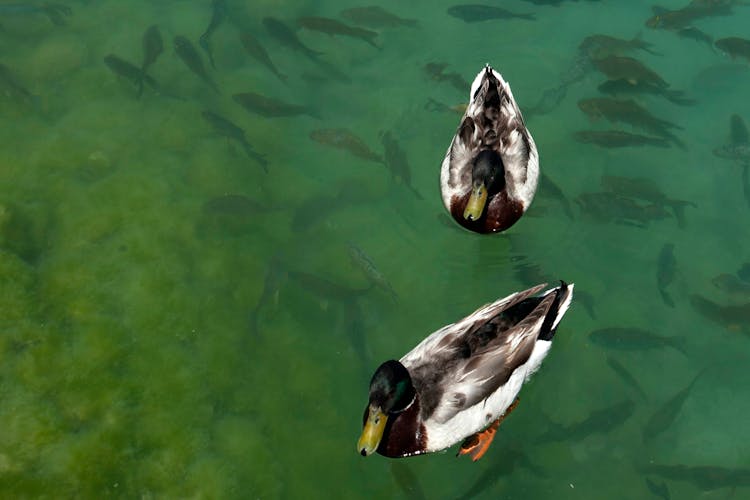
{"x": 161, "y": 339}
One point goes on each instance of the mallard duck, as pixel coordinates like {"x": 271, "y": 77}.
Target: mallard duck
{"x": 462, "y": 380}
{"x": 490, "y": 172}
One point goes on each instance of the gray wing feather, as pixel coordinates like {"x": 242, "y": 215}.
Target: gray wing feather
{"x": 445, "y": 341}
{"x": 491, "y": 367}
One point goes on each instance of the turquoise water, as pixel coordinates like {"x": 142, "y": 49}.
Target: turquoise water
{"x": 147, "y": 350}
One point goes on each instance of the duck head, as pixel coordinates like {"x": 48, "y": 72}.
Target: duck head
{"x": 391, "y": 392}
{"x": 487, "y": 180}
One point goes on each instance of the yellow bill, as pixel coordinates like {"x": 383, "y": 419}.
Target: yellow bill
{"x": 373, "y": 431}
{"x": 477, "y": 200}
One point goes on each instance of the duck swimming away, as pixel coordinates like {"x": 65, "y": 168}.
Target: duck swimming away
{"x": 462, "y": 380}
{"x": 491, "y": 169}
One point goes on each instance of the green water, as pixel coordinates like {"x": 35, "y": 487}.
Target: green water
{"x": 129, "y": 366}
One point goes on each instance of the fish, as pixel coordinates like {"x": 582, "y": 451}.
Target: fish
{"x": 737, "y": 152}
{"x": 618, "y": 139}
{"x": 551, "y": 98}
{"x": 223, "y": 126}
{"x": 623, "y": 88}
{"x": 287, "y": 37}
{"x": 607, "y": 207}
{"x": 625, "y": 375}
{"x": 333, "y": 27}
{"x": 153, "y": 46}
{"x": 436, "y": 71}
{"x": 324, "y": 288}
{"x": 312, "y": 211}
{"x": 374, "y": 16}
{"x": 10, "y": 85}
{"x": 577, "y": 71}
{"x": 667, "y": 412}
{"x": 738, "y": 133}
{"x": 735, "y": 47}
{"x": 131, "y": 72}
{"x": 732, "y": 317}
{"x": 269, "y": 107}
{"x": 732, "y": 286}
{"x": 600, "y": 46}
{"x": 284, "y": 35}
{"x": 598, "y": 421}
{"x": 630, "y": 112}
{"x": 192, "y": 59}
{"x": 230, "y": 214}
{"x": 341, "y": 138}
{"x": 634, "y": 187}
{"x": 330, "y": 71}
{"x": 407, "y": 480}
{"x": 275, "y": 276}
{"x": 647, "y": 190}
{"x": 587, "y": 300}
{"x": 661, "y": 489}
{"x": 56, "y": 12}
{"x": 679, "y": 18}
{"x": 504, "y": 464}
{"x": 254, "y": 48}
{"x": 218, "y": 14}
{"x": 353, "y": 324}
{"x": 440, "y": 107}
{"x": 549, "y": 188}
{"x": 628, "y": 69}
{"x": 743, "y": 272}
{"x": 9, "y": 9}
{"x": 396, "y": 161}
{"x": 530, "y": 272}
{"x": 473, "y": 13}
{"x": 705, "y": 477}
{"x": 738, "y": 147}
{"x": 693, "y": 33}
{"x": 665, "y": 271}
{"x": 634, "y": 339}
{"x": 365, "y": 264}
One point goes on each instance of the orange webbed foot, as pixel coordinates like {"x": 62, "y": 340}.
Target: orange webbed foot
{"x": 477, "y": 444}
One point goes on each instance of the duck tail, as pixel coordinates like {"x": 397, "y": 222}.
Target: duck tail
{"x": 563, "y": 298}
